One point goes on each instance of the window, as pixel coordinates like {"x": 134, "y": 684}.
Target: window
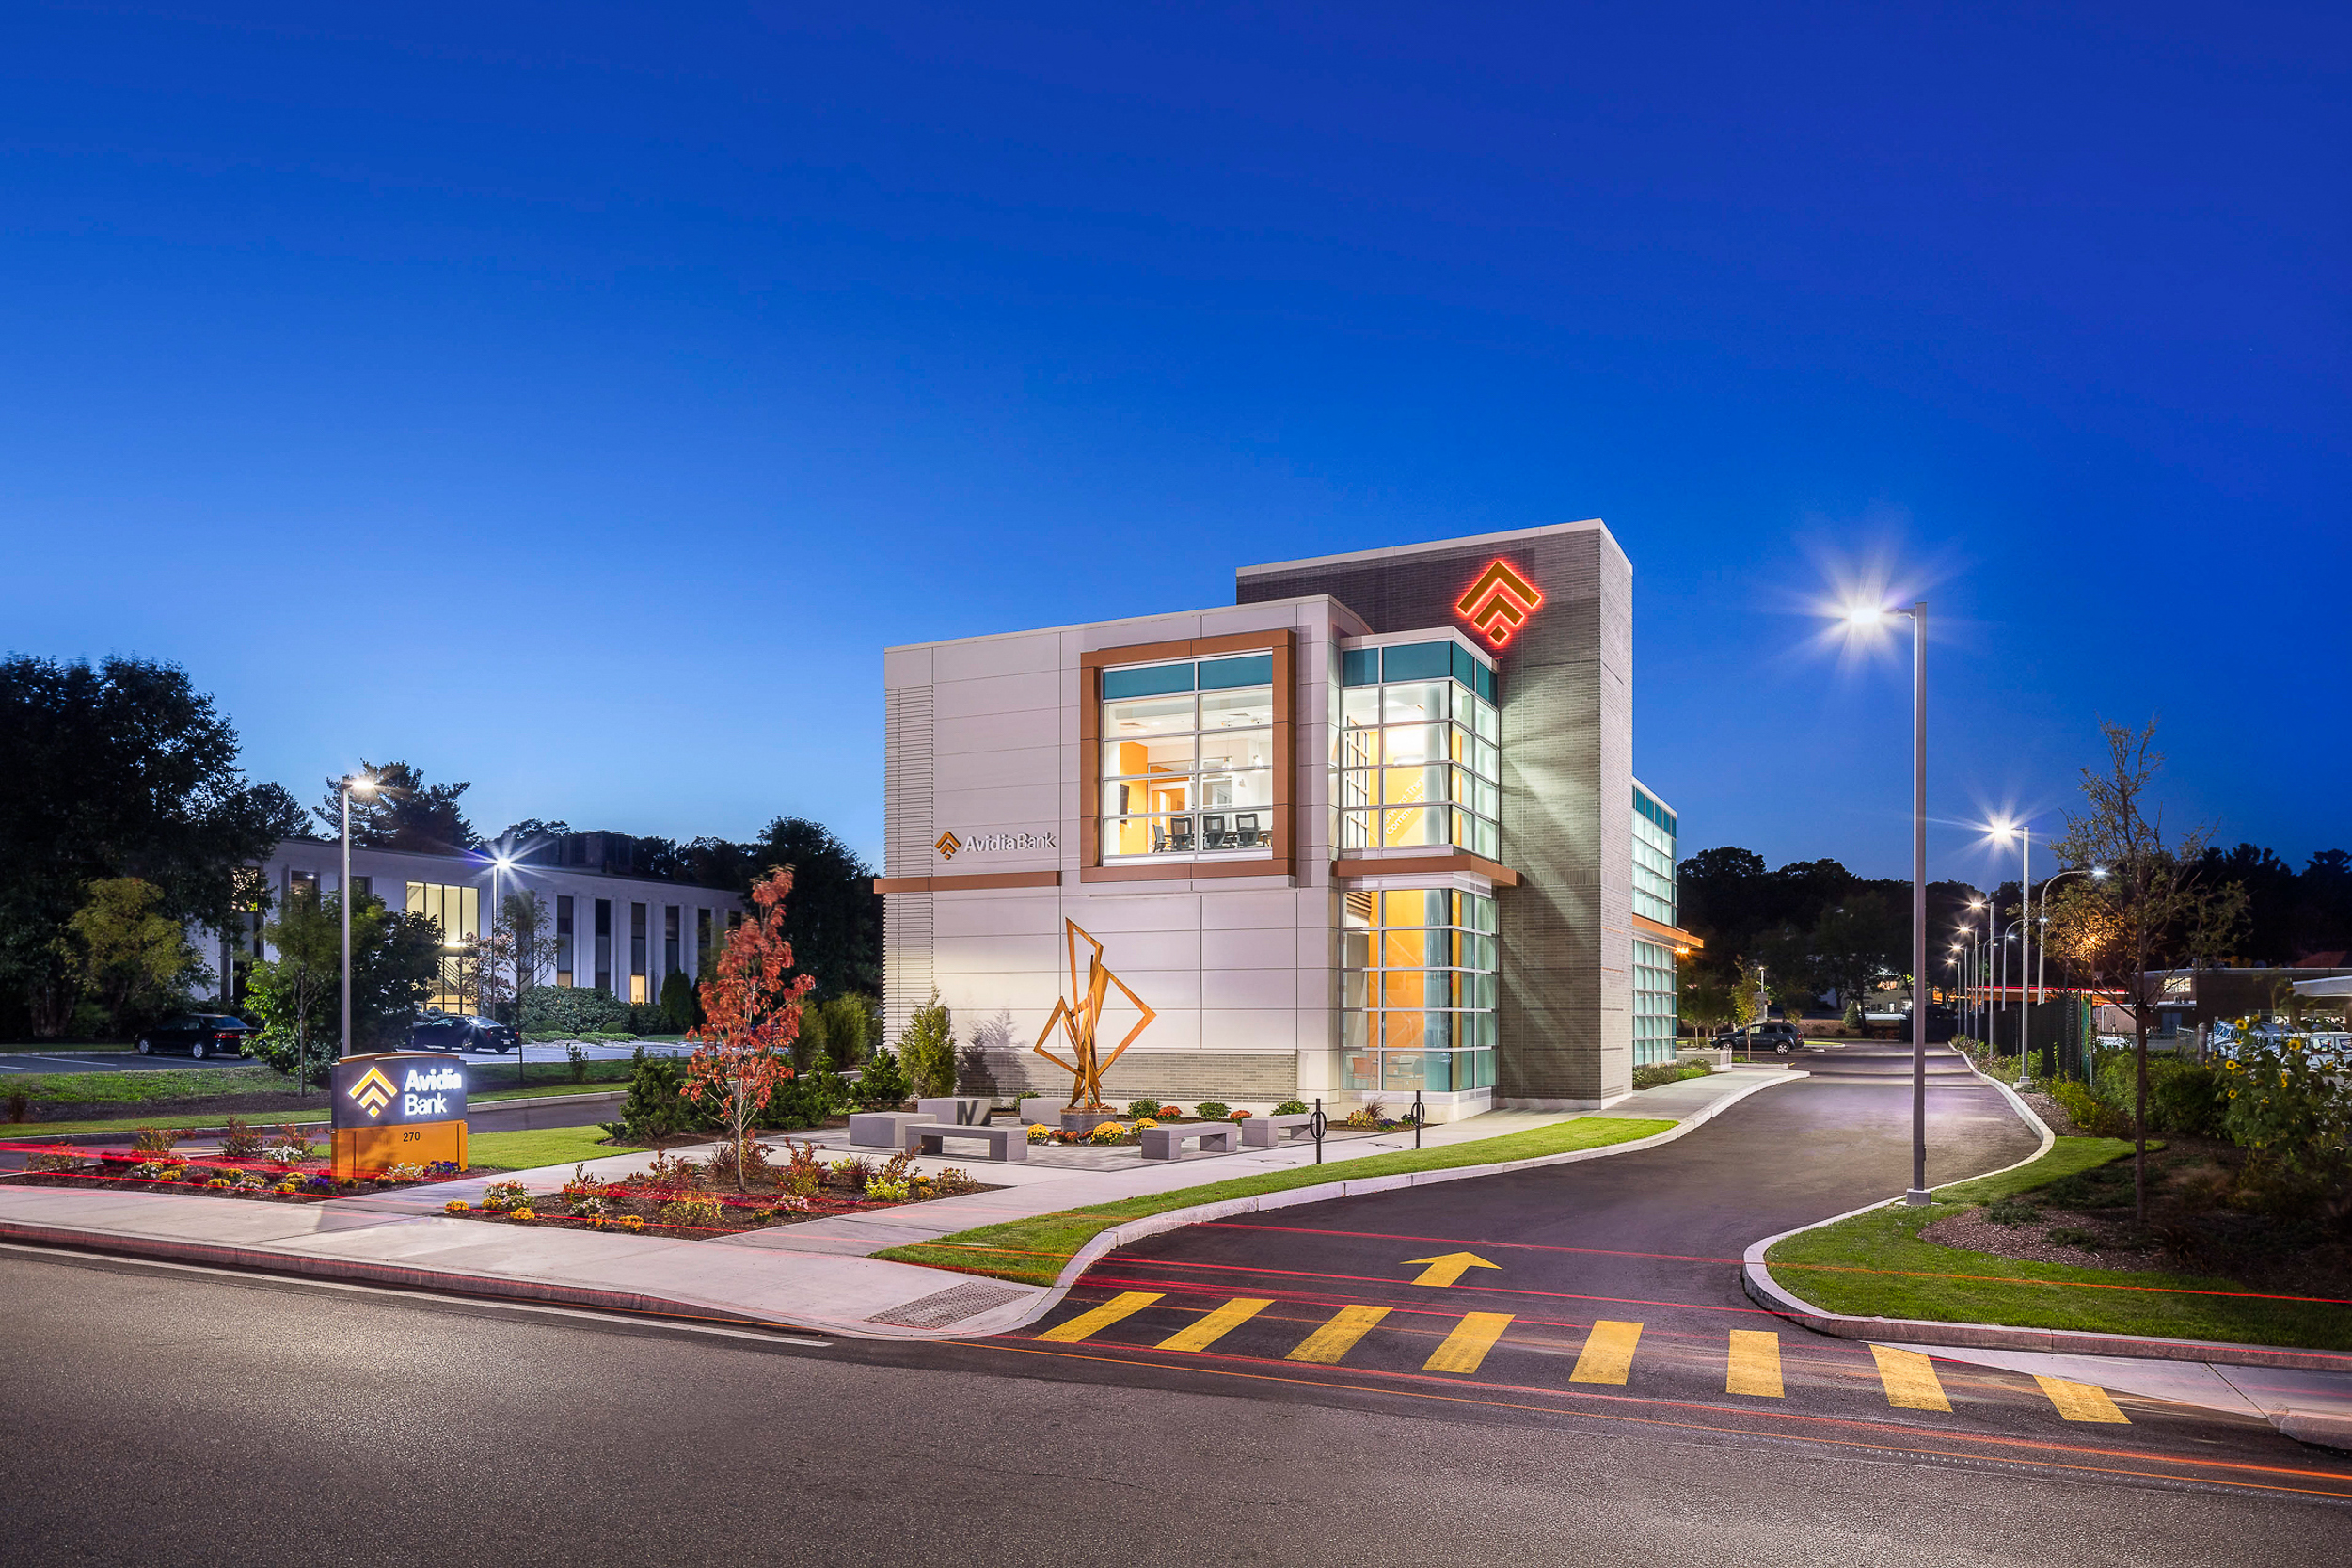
{"x": 604, "y": 944}
{"x": 669, "y": 939}
{"x": 1653, "y": 858}
{"x": 1418, "y": 990}
{"x": 1653, "y": 1003}
{"x": 1187, "y": 764}
{"x": 363, "y": 887}
{"x": 1416, "y": 749}
{"x": 705, "y": 959}
{"x": 457, "y": 909}
{"x": 636, "y": 953}
{"x": 301, "y": 884}
{"x": 565, "y": 942}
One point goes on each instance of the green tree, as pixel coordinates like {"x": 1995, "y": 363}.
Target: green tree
{"x": 135, "y": 962}
{"x": 883, "y": 1082}
{"x": 927, "y": 1047}
{"x": 834, "y": 923}
{"x": 403, "y": 812}
{"x": 679, "y": 1012}
{"x": 528, "y": 927}
{"x": 110, "y": 771}
{"x": 396, "y": 964}
{"x": 1747, "y": 994}
{"x": 296, "y": 995}
{"x": 1703, "y": 1001}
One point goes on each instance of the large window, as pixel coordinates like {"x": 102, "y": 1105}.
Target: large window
{"x": 1653, "y": 858}
{"x": 566, "y": 940}
{"x": 1419, "y": 992}
{"x": 1653, "y": 1003}
{"x": 1416, "y": 749}
{"x": 636, "y": 953}
{"x": 457, "y": 909}
{"x": 604, "y": 944}
{"x": 1188, "y": 758}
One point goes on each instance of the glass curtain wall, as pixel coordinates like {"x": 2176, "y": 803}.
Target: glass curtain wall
{"x": 1188, "y": 758}
{"x": 457, "y": 909}
{"x": 1653, "y": 1003}
{"x": 1419, "y": 992}
{"x": 1653, "y": 858}
{"x": 1416, "y": 749}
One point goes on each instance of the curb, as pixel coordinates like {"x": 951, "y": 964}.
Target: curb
{"x": 1176, "y": 1219}
{"x": 1769, "y": 1293}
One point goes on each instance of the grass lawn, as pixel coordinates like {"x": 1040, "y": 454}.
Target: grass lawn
{"x": 1034, "y": 1250}
{"x": 541, "y": 1146}
{"x": 100, "y": 1089}
{"x": 1874, "y": 1264}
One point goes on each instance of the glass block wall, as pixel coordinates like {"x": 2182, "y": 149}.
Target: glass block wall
{"x": 1418, "y": 989}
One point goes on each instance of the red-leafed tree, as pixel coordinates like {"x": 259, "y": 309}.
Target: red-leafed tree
{"x": 752, "y": 1012}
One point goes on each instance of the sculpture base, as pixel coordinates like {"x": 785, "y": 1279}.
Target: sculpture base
{"x": 1082, "y": 1120}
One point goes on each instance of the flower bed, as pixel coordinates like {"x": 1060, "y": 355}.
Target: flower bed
{"x": 288, "y": 1173}
{"x": 687, "y": 1200}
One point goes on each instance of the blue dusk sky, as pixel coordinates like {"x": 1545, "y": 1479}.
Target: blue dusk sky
{"x": 576, "y": 398}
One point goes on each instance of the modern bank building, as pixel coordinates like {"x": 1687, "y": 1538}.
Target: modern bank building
{"x": 1370, "y": 830}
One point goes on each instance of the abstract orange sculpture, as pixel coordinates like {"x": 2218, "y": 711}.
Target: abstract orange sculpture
{"x": 1079, "y": 1020}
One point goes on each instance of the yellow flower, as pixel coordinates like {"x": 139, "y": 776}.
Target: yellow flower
{"x": 455, "y": 1206}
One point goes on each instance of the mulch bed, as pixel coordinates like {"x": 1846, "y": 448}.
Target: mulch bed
{"x": 650, "y": 1199}
{"x": 112, "y": 1173}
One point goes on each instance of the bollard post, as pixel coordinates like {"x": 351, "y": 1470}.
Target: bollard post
{"x": 1420, "y": 1113}
{"x": 1315, "y": 1125}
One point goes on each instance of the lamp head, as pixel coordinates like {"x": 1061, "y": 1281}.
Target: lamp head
{"x": 361, "y": 785}
{"x": 503, "y": 863}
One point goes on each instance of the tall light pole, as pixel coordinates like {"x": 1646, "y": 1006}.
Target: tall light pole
{"x": 343, "y": 897}
{"x": 1868, "y": 615}
{"x": 2023, "y": 835}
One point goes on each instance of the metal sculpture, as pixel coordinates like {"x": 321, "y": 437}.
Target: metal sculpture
{"x": 1079, "y": 1020}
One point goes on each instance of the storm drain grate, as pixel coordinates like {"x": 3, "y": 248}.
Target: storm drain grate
{"x": 950, "y": 1306}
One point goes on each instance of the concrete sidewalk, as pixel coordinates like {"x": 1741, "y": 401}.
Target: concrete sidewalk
{"x": 814, "y": 1275}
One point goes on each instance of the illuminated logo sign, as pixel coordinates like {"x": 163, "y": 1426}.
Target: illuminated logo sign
{"x": 373, "y": 1092}
{"x": 1499, "y": 603}
{"x": 995, "y": 844}
{"x": 397, "y": 1089}
{"x": 947, "y": 845}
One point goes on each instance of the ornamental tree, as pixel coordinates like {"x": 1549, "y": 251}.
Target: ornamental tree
{"x": 751, "y": 1016}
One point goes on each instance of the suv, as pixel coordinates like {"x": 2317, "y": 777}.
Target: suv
{"x": 435, "y": 1030}
{"x": 201, "y": 1034}
{"x": 1778, "y": 1037}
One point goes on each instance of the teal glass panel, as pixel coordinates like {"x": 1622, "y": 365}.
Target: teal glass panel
{"x": 1360, "y": 667}
{"x": 1465, "y": 667}
{"x": 1150, "y": 681}
{"x": 1417, "y": 661}
{"x": 1244, "y": 669}
{"x": 1485, "y": 686}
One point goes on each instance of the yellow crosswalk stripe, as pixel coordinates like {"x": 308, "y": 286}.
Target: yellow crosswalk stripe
{"x": 1468, "y": 1346}
{"x": 1608, "y": 1352}
{"x": 1209, "y": 1330}
{"x": 1338, "y": 1337}
{"x": 1910, "y": 1380}
{"x": 1754, "y": 1364}
{"x": 2081, "y": 1402}
{"x": 1101, "y": 1317}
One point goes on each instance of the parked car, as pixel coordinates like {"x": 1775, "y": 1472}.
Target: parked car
{"x": 1776, "y": 1035}
{"x": 201, "y": 1034}
{"x": 435, "y": 1030}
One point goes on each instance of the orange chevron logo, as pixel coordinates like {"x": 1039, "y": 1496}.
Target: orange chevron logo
{"x": 373, "y": 1091}
{"x": 947, "y": 845}
{"x": 1499, "y": 602}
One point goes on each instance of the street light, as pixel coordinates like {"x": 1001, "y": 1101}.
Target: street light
{"x": 1861, "y": 616}
{"x": 350, "y": 786}
{"x": 2042, "y": 963}
{"x": 2005, "y": 832}
{"x": 500, "y": 865}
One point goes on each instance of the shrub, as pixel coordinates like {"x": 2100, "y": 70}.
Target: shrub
{"x": 2091, "y": 1116}
{"x": 19, "y": 1101}
{"x": 883, "y": 1081}
{"x": 577, "y": 1055}
{"x": 240, "y": 1141}
{"x": 1109, "y": 1133}
{"x": 156, "y": 1140}
{"x": 54, "y": 1161}
{"x": 1142, "y": 1122}
{"x": 682, "y": 1009}
{"x": 2012, "y": 1211}
{"x": 645, "y": 1017}
{"x": 701, "y": 1213}
{"x": 1138, "y": 1109}
{"x": 1291, "y": 1108}
{"x": 850, "y": 1173}
{"x": 928, "y": 1048}
{"x": 954, "y": 1182}
{"x": 799, "y": 1102}
{"x": 1212, "y": 1110}
{"x": 654, "y": 1107}
{"x": 1040, "y": 1134}
{"x": 501, "y": 1195}
{"x": 1241, "y": 1116}
{"x": 886, "y": 1190}
{"x": 568, "y": 1012}
{"x": 2294, "y": 1123}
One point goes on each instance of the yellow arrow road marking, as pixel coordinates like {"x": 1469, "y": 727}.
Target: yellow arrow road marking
{"x": 1101, "y": 1317}
{"x": 1447, "y": 1269}
{"x": 2081, "y": 1402}
{"x": 1608, "y": 1352}
{"x": 1754, "y": 1364}
{"x": 1338, "y": 1337}
{"x": 1209, "y": 1330}
{"x": 1909, "y": 1379}
{"x": 1468, "y": 1346}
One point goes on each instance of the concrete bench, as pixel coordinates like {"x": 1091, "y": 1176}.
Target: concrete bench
{"x": 961, "y": 1109}
{"x": 883, "y": 1129}
{"x": 1044, "y": 1109}
{"x": 1004, "y": 1143}
{"x": 1266, "y": 1131}
{"x": 1214, "y": 1137}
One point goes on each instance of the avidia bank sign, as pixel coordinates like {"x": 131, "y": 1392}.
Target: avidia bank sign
{"x": 397, "y": 1088}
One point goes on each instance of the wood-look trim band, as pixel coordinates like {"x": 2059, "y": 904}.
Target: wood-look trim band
{"x": 967, "y": 882}
{"x": 1282, "y": 642}
{"x": 1187, "y": 871}
{"x": 1672, "y": 935}
{"x": 1429, "y": 865}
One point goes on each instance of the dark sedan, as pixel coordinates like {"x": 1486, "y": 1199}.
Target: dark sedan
{"x": 201, "y": 1034}
{"x": 438, "y": 1031}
